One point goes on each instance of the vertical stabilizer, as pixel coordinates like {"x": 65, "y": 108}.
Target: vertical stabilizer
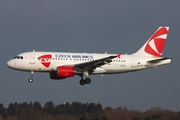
{"x": 155, "y": 44}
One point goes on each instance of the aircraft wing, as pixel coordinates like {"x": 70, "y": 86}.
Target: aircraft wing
{"x": 91, "y": 65}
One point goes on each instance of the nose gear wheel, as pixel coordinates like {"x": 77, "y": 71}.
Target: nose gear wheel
{"x": 31, "y": 76}
{"x": 30, "y": 80}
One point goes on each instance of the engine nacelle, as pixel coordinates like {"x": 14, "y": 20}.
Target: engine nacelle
{"x": 62, "y": 72}
{"x": 65, "y": 71}
{"x": 53, "y": 75}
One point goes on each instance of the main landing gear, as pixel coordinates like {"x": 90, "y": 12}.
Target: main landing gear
{"x": 86, "y": 81}
{"x": 31, "y": 76}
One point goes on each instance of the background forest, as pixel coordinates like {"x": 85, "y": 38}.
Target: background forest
{"x": 80, "y": 111}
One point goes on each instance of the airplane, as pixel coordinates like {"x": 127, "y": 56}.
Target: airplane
{"x": 62, "y": 65}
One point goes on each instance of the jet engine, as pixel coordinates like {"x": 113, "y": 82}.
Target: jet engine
{"x": 62, "y": 72}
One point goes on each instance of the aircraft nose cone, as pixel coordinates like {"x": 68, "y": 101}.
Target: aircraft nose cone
{"x": 9, "y": 64}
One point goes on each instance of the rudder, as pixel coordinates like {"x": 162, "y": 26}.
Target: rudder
{"x": 155, "y": 44}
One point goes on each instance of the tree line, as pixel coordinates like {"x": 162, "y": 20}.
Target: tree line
{"x": 80, "y": 111}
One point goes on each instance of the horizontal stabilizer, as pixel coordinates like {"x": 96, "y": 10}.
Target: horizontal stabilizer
{"x": 158, "y": 60}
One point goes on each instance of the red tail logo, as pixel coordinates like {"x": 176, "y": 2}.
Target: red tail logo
{"x": 45, "y": 60}
{"x": 156, "y": 43}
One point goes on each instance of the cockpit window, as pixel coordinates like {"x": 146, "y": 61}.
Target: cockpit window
{"x": 18, "y": 57}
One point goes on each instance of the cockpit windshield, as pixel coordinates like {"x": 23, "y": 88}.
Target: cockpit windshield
{"x": 18, "y": 57}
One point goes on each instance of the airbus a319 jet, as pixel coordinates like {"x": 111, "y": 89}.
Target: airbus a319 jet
{"x": 62, "y": 65}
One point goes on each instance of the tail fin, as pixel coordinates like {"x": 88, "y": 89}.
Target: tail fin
{"x": 155, "y": 44}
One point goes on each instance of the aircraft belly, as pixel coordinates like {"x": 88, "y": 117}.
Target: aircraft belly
{"x": 114, "y": 69}
{"x": 99, "y": 71}
{"x": 119, "y": 68}
{"x": 35, "y": 68}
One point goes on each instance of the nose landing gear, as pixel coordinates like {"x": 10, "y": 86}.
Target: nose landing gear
{"x": 31, "y": 76}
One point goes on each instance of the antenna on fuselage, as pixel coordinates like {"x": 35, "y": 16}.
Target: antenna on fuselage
{"x": 105, "y": 53}
{"x": 34, "y": 50}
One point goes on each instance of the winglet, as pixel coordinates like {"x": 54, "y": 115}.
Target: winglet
{"x": 118, "y": 55}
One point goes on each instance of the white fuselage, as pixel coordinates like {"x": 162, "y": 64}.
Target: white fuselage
{"x": 30, "y": 61}
{"x": 62, "y": 65}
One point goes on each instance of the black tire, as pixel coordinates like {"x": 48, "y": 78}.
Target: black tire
{"x": 88, "y": 80}
{"x": 30, "y": 80}
{"x": 82, "y": 82}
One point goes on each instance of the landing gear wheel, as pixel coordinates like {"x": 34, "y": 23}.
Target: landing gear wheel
{"x": 88, "y": 80}
{"x": 82, "y": 82}
{"x": 31, "y": 76}
{"x": 30, "y": 80}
